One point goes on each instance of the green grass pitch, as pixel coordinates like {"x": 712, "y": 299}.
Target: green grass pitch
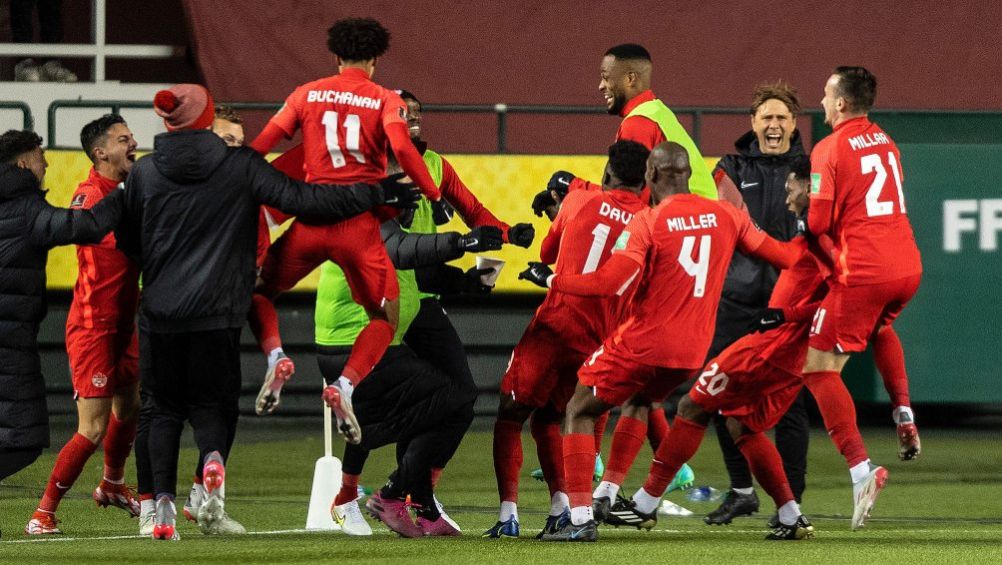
{"x": 942, "y": 508}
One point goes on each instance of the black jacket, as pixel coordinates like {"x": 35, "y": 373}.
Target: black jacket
{"x": 29, "y": 227}
{"x": 762, "y": 182}
{"x": 191, "y": 213}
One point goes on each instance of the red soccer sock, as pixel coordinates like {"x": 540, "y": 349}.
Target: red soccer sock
{"x": 839, "y": 414}
{"x": 70, "y": 462}
{"x": 436, "y": 474}
{"x": 627, "y": 439}
{"x": 681, "y": 444}
{"x": 579, "y": 465}
{"x": 349, "y": 489}
{"x": 550, "y": 451}
{"x": 890, "y": 359}
{"x": 145, "y": 496}
{"x": 196, "y": 480}
{"x": 657, "y": 427}
{"x": 117, "y": 447}
{"x": 600, "y": 424}
{"x": 263, "y": 321}
{"x": 370, "y": 345}
{"x": 766, "y": 465}
{"x": 507, "y": 458}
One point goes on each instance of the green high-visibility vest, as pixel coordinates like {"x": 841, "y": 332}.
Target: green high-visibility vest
{"x": 701, "y": 182}
{"x": 338, "y": 319}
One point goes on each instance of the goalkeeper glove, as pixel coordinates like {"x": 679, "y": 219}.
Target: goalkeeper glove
{"x": 538, "y": 274}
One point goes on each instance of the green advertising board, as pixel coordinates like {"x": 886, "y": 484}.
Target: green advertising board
{"x": 950, "y": 331}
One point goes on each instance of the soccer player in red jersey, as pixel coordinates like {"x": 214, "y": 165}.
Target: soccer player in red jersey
{"x": 858, "y": 200}
{"x": 564, "y": 331}
{"x": 347, "y": 121}
{"x": 676, "y": 292}
{"x": 100, "y": 340}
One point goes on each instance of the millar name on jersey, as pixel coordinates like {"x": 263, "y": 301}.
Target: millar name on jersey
{"x": 349, "y": 98}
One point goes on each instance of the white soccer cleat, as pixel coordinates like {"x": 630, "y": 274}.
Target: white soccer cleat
{"x": 195, "y": 499}
{"x": 165, "y": 521}
{"x": 349, "y": 517}
{"x": 211, "y": 516}
{"x": 864, "y": 494}
{"x": 147, "y": 517}
{"x": 669, "y": 508}
{"x": 271, "y": 390}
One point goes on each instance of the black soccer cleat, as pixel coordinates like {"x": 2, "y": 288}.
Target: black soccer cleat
{"x": 773, "y": 522}
{"x": 585, "y": 532}
{"x": 801, "y": 529}
{"x": 735, "y": 504}
{"x": 555, "y": 523}
{"x": 625, "y": 513}
{"x": 600, "y": 508}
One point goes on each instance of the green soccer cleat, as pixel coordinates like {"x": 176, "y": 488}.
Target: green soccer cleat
{"x": 683, "y": 480}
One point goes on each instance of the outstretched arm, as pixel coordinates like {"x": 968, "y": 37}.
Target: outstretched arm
{"x": 53, "y": 226}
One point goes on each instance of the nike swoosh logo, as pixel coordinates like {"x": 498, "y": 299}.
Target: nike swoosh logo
{"x": 563, "y": 182}
{"x": 748, "y": 184}
{"x": 575, "y": 534}
{"x": 60, "y": 486}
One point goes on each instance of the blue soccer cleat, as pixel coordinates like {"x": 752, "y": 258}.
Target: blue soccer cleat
{"x": 555, "y": 523}
{"x": 506, "y": 529}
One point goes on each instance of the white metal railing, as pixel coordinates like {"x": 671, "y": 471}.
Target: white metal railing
{"x": 98, "y": 51}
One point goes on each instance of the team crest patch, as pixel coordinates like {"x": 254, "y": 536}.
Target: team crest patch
{"x": 78, "y": 200}
{"x": 815, "y": 183}
{"x": 99, "y": 380}
{"x": 621, "y": 241}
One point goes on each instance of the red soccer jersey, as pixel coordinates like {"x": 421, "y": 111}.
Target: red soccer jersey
{"x": 684, "y": 246}
{"x": 857, "y": 169}
{"x": 583, "y": 233}
{"x": 343, "y": 119}
{"x": 106, "y": 294}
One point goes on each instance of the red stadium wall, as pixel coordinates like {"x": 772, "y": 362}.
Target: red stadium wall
{"x": 929, "y": 55}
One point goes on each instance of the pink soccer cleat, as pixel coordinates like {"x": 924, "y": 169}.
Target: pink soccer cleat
{"x": 438, "y": 527}
{"x": 909, "y": 445}
{"x": 339, "y": 399}
{"x": 394, "y": 513}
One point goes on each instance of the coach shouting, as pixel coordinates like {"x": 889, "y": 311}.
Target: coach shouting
{"x": 190, "y": 219}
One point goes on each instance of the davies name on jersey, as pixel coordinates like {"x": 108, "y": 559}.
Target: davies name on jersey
{"x": 609, "y": 211}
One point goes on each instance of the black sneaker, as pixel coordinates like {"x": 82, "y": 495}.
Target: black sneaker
{"x": 801, "y": 529}
{"x": 625, "y": 513}
{"x": 585, "y": 532}
{"x": 600, "y": 508}
{"x": 735, "y": 504}
{"x": 773, "y": 522}
{"x": 555, "y": 523}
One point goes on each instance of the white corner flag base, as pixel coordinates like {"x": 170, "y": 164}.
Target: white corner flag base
{"x": 326, "y": 484}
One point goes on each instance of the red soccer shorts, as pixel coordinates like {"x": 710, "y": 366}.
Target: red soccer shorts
{"x": 543, "y": 369}
{"x": 354, "y": 244}
{"x": 849, "y": 315}
{"x": 741, "y": 384}
{"x": 102, "y": 361}
{"x": 614, "y": 377}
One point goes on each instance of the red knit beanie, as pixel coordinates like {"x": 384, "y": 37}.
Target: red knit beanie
{"x": 185, "y": 107}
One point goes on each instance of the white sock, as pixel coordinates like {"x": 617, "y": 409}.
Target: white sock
{"x": 903, "y": 415}
{"x": 580, "y": 515}
{"x": 145, "y": 506}
{"x": 789, "y": 512}
{"x": 605, "y": 488}
{"x": 558, "y": 503}
{"x": 744, "y": 491}
{"x": 859, "y": 471}
{"x": 273, "y": 356}
{"x": 646, "y": 503}
{"x": 508, "y": 510}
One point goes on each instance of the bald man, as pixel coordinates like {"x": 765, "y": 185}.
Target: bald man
{"x": 682, "y": 245}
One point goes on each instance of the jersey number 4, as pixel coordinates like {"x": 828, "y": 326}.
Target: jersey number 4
{"x": 874, "y": 164}
{"x": 352, "y": 132}
{"x": 699, "y": 268}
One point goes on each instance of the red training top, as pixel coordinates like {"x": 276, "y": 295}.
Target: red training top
{"x": 106, "y": 294}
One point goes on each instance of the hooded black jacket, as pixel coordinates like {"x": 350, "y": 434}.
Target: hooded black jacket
{"x": 762, "y": 182}
{"x": 29, "y": 227}
{"x": 191, "y": 213}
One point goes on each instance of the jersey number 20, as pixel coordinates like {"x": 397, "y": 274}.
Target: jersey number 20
{"x": 352, "y": 131}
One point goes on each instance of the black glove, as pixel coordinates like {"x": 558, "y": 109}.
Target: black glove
{"x": 472, "y": 283}
{"x": 521, "y": 235}
{"x": 537, "y": 273}
{"x": 406, "y": 218}
{"x": 484, "y": 238}
{"x": 399, "y": 194}
{"x": 560, "y": 182}
{"x": 802, "y": 225}
{"x": 442, "y": 212}
{"x": 541, "y": 202}
{"x": 767, "y": 319}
